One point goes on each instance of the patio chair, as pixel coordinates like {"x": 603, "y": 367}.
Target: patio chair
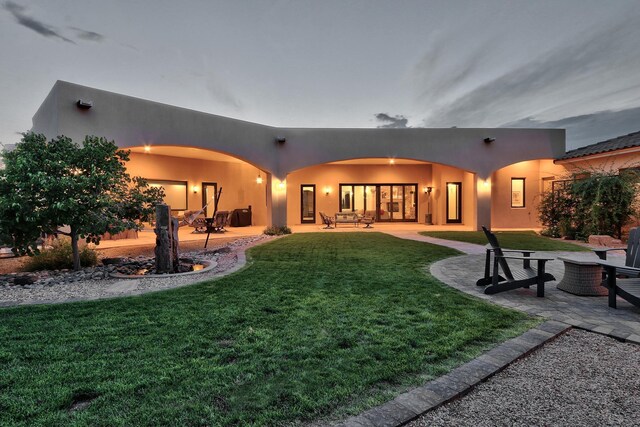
{"x": 623, "y": 280}
{"x": 516, "y": 278}
{"x": 327, "y": 220}
{"x": 217, "y": 224}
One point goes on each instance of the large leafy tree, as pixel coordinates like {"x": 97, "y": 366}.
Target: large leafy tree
{"x": 58, "y": 187}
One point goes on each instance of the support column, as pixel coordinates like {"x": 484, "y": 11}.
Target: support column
{"x": 483, "y": 202}
{"x": 278, "y": 198}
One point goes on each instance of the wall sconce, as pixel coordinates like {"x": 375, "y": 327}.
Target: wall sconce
{"x": 392, "y": 161}
{"x": 489, "y": 140}
{"x": 281, "y": 139}
{"x": 259, "y": 179}
{"x": 427, "y": 190}
{"x": 327, "y": 190}
{"x": 194, "y": 188}
{"x": 147, "y": 148}
{"x": 486, "y": 183}
{"x": 281, "y": 185}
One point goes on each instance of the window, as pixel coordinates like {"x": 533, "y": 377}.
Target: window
{"x": 454, "y": 202}
{"x": 175, "y": 193}
{"x": 517, "y": 192}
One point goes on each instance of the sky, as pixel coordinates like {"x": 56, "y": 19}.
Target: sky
{"x": 572, "y": 64}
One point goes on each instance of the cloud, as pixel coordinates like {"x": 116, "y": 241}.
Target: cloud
{"x": 397, "y": 121}
{"x": 589, "y": 128}
{"x": 579, "y": 77}
{"x": 91, "y": 36}
{"x": 20, "y": 15}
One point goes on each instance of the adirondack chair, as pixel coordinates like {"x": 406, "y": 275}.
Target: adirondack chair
{"x": 629, "y": 288}
{"x": 512, "y": 279}
{"x": 327, "y": 220}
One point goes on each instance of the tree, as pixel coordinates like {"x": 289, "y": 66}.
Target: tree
{"x": 56, "y": 187}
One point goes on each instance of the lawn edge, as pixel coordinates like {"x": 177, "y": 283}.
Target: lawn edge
{"x": 458, "y": 382}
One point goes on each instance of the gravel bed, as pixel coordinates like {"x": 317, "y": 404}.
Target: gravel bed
{"x": 95, "y": 283}
{"x": 580, "y": 379}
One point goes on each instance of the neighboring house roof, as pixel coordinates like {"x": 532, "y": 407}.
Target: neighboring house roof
{"x": 618, "y": 143}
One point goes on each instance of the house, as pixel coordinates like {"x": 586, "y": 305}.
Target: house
{"x": 460, "y": 177}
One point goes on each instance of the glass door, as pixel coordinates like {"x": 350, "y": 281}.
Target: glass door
{"x": 308, "y": 204}
{"x": 454, "y": 202}
{"x": 209, "y": 198}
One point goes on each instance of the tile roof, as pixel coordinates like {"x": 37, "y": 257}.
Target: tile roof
{"x": 618, "y": 143}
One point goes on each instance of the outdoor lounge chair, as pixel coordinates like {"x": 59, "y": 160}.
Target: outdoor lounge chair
{"x": 327, "y": 220}
{"x": 512, "y": 279}
{"x": 627, "y": 288}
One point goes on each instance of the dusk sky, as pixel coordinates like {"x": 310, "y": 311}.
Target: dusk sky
{"x": 573, "y": 64}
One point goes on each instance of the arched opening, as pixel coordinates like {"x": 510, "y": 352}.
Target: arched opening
{"x": 392, "y": 190}
{"x": 192, "y": 176}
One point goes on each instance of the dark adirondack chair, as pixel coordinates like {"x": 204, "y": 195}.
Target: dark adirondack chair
{"x": 627, "y": 288}
{"x": 516, "y": 278}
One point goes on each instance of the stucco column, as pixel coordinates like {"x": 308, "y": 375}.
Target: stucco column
{"x": 278, "y": 198}
{"x": 483, "y": 202}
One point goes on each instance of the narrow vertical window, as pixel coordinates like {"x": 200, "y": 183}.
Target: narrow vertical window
{"x": 517, "y": 192}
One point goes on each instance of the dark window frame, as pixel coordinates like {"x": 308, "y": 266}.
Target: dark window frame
{"x": 377, "y": 200}
{"x": 172, "y": 181}
{"x": 459, "y": 204}
{"x": 302, "y": 220}
{"x": 524, "y": 192}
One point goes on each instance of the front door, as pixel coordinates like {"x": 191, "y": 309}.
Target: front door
{"x": 209, "y": 198}
{"x": 308, "y": 204}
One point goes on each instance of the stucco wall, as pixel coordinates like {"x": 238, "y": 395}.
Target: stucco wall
{"x": 503, "y": 215}
{"x": 334, "y": 175}
{"x": 238, "y": 180}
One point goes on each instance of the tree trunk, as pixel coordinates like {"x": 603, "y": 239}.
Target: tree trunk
{"x": 74, "y": 248}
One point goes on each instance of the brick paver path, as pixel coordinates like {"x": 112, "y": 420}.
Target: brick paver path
{"x": 590, "y": 313}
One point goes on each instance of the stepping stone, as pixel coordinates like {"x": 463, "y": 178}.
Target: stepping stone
{"x": 123, "y": 286}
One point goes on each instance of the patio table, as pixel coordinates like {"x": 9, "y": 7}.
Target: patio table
{"x": 582, "y": 277}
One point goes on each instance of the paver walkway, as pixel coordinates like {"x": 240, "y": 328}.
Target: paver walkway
{"x": 590, "y": 313}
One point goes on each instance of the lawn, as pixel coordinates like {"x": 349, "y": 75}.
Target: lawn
{"x": 509, "y": 240}
{"x": 318, "y": 326}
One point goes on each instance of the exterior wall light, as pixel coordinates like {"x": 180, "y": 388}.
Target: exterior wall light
{"x": 486, "y": 183}
{"x": 327, "y": 190}
{"x": 147, "y": 148}
{"x": 489, "y": 140}
{"x": 392, "y": 161}
{"x": 84, "y": 104}
{"x": 427, "y": 190}
{"x": 281, "y": 185}
{"x": 195, "y": 189}
{"x": 259, "y": 179}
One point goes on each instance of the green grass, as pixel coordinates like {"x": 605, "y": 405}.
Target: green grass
{"x": 317, "y": 326}
{"x": 509, "y": 240}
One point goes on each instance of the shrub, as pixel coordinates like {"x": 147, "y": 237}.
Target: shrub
{"x": 60, "y": 256}
{"x": 599, "y": 202}
{"x": 277, "y": 231}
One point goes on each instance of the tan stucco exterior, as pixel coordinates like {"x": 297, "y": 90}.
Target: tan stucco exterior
{"x": 481, "y": 159}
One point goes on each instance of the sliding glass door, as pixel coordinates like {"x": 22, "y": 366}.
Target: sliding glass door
{"x": 387, "y": 202}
